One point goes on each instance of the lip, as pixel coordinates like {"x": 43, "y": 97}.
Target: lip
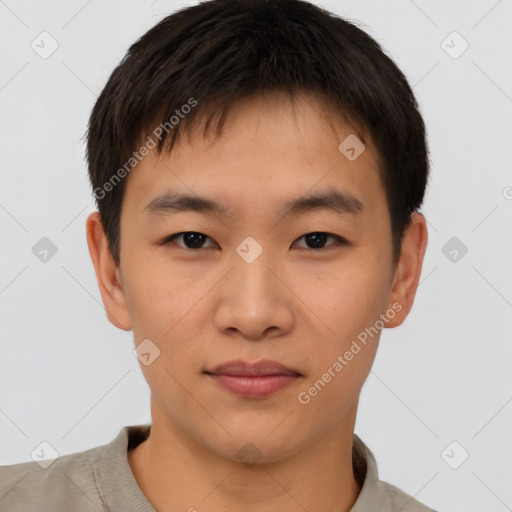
{"x": 255, "y": 380}
{"x": 264, "y": 367}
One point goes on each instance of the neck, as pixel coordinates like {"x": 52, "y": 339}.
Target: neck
{"x": 176, "y": 473}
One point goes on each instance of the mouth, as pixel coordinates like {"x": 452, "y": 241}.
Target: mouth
{"x": 256, "y": 380}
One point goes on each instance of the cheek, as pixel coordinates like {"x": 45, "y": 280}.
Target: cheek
{"x": 150, "y": 306}
{"x": 158, "y": 295}
{"x": 348, "y": 296}
{"x": 339, "y": 384}
{"x": 168, "y": 309}
{"x": 335, "y": 384}
{"x": 352, "y": 303}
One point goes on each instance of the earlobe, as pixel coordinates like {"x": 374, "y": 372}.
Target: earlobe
{"x": 107, "y": 274}
{"x": 408, "y": 271}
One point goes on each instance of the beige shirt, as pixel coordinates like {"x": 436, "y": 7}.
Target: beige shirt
{"x": 101, "y": 479}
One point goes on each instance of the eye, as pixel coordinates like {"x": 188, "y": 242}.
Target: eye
{"x": 191, "y": 239}
{"x": 194, "y": 240}
{"x": 318, "y": 238}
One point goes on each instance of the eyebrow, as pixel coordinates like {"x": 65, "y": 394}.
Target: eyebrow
{"x": 331, "y": 199}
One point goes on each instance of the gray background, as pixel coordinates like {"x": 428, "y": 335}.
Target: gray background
{"x": 70, "y": 378}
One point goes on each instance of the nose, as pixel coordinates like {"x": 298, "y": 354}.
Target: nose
{"x": 253, "y": 301}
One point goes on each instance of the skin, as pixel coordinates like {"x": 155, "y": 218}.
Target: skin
{"x": 295, "y": 304}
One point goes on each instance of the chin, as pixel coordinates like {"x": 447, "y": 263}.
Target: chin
{"x": 254, "y": 445}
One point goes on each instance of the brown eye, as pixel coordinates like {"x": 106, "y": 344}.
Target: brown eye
{"x": 317, "y": 240}
{"x": 191, "y": 239}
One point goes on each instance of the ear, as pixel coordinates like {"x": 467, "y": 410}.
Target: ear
{"x": 107, "y": 274}
{"x": 408, "y": 270}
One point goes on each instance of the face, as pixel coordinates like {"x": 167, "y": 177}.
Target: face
{"x": 270, "y": 274}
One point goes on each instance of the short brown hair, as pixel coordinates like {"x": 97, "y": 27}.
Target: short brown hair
{"x": 220, "y": 51}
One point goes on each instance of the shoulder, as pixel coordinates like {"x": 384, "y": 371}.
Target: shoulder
{"x": 68, "y": 483}
{"x": 376, "y": 494}
{"x": 399, "y": 500}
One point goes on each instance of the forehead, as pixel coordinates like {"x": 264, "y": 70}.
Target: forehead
{"x": 269, "y": 151}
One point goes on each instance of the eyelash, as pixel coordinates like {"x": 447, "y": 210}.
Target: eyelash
{"x": 338, "y": 239}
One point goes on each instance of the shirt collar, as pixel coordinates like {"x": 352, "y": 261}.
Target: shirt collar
{"x": 373, "y": 495}
{"x": 113, "y": 474}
